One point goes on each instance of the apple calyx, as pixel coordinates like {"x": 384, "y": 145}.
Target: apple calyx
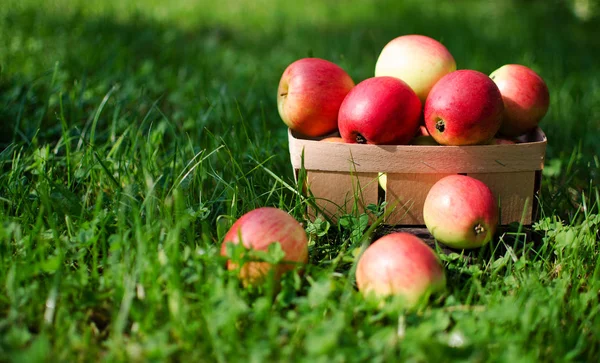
{"x": 479, "y": 229}
{"x": 440, "y": 125}
{"x": 360, "y": 139}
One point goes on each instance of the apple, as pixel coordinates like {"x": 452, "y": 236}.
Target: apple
{"x": 309, "y": 95}
{"x": 399, "y": 264}
{"x": 333, "y": 139}
{"x": 418, "y": 60}
{"x": 464, "y": 108}
{"x": 525, "y": 95}
{"x": 379, "y": 110}
{"x": 382, "y": 178}
{"x": 461, "y": 212}
{"x": 501, "y": 141}
{"x": 257, "y": 230}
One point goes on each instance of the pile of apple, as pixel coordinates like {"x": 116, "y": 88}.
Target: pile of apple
{"x": 417, "y": 96}
{"x": 398, "y": 264}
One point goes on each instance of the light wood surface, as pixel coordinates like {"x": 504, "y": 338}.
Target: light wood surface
{"x": 405, "y": 195}
{"x": 335, "y": 191}
{"x": 515, "y": 191}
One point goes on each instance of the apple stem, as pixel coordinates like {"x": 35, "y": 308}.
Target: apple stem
{"x": 283, "y": 94}
{"x": 360, "y": 139}
{"x": 479, "y": 229}
{"x": 440, "y": 125}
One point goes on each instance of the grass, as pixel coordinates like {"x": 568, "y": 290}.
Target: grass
{"x": 133, "y": 135}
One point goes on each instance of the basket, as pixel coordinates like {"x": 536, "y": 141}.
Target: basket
{"x": 342, "y": 176}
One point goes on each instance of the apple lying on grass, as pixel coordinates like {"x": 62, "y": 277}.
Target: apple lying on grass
{"x": 399, "y": 264}
{"x": 309, "y": 95}
{"x": 464, "y": 108}
{"x": 380, "y": 110}
{"x": 418, "y": 60}
{"x": 461, "y": 212}
{"x": 257, "y": 230}
{"x": 525, "y": 95}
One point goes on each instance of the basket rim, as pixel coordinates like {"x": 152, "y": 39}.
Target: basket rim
{"x": 528, "y": 155}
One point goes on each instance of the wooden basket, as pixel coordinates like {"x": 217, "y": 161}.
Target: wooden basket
{"x": 340, "y": 175}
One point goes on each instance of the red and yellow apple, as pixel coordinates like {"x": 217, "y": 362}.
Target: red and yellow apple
{"x": 461, "y": 212}
{"x": 399, "y": 264}
{"x": 418, "y": 60}
{"x": 464, "y": 108}
{"x": 309, "y": 95}
{"x": 525, "y": 95}
{"x": 258, "y": 229}
{"x": 379, "y": 110}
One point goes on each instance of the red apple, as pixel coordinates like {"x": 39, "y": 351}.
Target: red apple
{"x": 309, "y": 96}
{"x": 418, "y": 60}
{"x": 379, "y": 110}
{"x": 399, "y": 264}
{"x": 461, "y": 212}
{"x": 257, "y": 230}
{"x": 525, "y": 95}
{"x": 464, "y": 108}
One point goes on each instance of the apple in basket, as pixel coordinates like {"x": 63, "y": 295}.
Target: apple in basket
{"x": 418, "y": 60}
{"x": 464, "y": 108}
{"x": 309, "y": 95}
{"x": 380, "y": 110}
{"x": 526, "y": 98}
